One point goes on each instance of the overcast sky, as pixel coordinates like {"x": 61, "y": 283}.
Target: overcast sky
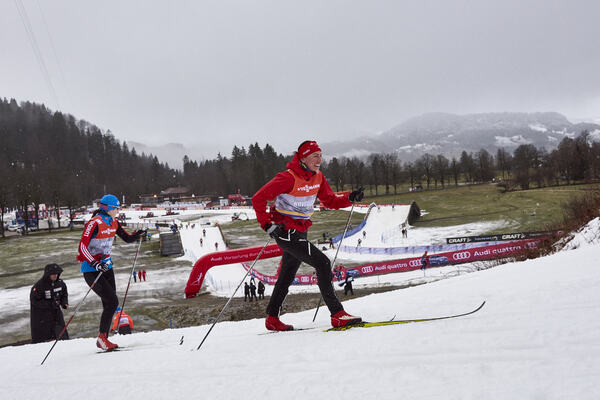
{"x": 218, "y": 73}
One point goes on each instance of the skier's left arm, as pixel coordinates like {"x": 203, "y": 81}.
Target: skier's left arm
{"x": 329, "y": 199}
{"x": 128, "y": 238}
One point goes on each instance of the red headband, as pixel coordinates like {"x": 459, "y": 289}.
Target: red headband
{"x": 308, "y": 148}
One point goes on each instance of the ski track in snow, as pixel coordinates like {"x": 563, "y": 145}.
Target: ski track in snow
{"x": 538, "y": 337}
{"x": 535, "y": 338}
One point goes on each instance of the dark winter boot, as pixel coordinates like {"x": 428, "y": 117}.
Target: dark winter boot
{"x": 342, "y": 318}
{"x": 274, "y": 324}
{"x": 103, "y": 343}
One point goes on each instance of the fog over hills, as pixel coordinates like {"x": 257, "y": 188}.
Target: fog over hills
{"x": 434, "y": 133}
{"x": 450, "y": 134}
{"x": 171, "y": 153}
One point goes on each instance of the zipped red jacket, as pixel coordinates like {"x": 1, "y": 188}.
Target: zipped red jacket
{"x": 294, "y": 191}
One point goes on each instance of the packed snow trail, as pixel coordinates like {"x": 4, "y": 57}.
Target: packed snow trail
{"x": 537, "y": 337}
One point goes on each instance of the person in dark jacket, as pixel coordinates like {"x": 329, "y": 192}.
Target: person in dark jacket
{"x": 246, "y": 291}
{"x": 253, "y": 291}
{"x": 293, "y": 194}
{"x": 261, "y": 290}
{"x": 48, "y": 297}
{"x": 348, "y": 285}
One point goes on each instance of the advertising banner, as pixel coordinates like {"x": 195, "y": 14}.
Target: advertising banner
{"x": 447, "y": 258}
{"x": 246, "y": 255}
{"x": 499, "y": 237}
{"x": 415, "y": 249}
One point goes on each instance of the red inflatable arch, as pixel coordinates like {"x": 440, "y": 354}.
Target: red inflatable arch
{"x": 208, "y": 261}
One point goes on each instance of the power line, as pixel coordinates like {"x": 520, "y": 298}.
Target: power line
{"x": 36, "y": 50}
{"x": 58, "y": 64}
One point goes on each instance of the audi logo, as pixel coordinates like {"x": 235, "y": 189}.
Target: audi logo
{"x": 367, "y": 269}
{"x": 414, "y": 263}
{"x": 463, "y": 255}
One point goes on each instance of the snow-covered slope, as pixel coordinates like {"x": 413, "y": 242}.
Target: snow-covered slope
{"x": 538, "y": 337}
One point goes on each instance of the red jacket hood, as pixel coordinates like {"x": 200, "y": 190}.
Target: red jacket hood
{"x": 295, "y": 166}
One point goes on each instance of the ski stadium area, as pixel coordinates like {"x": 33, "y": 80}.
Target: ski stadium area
{"x": 536, "y": 337}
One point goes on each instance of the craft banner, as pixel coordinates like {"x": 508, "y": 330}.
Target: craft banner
{"x": 499, "y": 237}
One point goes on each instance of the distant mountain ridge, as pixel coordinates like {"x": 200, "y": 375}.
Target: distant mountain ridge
{"x": 171, "y": 153}
{"x": 450, "y": 134}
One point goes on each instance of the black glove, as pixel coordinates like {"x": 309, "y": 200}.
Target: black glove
{"x": 100, "y": 266}
{"x": 357, "y": 195}
{"x": 274, "y": 231}
{"x": 139, "y": 233}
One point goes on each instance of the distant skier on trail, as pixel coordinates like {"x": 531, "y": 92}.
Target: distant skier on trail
{"x": 123, "y": 324}
{"x": 94, "y": 253}
{"x": 424, "y": 261}
{"x": 295, "y": 191}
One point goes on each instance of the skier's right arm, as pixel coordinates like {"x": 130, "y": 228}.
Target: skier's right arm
{"x": 89, "y": 231}
{"x": 283, "y": 182}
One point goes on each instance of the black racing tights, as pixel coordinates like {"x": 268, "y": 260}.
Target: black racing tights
{"x": 107, "y": 290}
{"x": 296, "y": 249}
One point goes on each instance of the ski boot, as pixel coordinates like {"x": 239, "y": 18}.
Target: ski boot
{"x": 342, "y": 318}
{"x": 103, "y": 343}
{"x": 274, "y": 324}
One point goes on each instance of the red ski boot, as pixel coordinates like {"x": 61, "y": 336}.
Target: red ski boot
{"x": 103, "y": 343}
{"x": 342, "y": 318}
{"x": 274, "y": 324}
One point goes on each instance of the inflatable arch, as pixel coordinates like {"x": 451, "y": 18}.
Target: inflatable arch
{"x": 208, "y": 261}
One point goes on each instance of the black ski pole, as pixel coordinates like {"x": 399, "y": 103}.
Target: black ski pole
{"x": 128, "y": 283}
{"x": 71, "y": 319}
{"x": 336, "y": 254}
{"x": 234, "y": 292}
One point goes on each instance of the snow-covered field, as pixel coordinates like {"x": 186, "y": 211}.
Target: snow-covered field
{"x": 538, "y": 337}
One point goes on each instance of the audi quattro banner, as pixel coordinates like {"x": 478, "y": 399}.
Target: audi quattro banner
{"x": 499, "y": 237}
{"x": 415, "y": 249}
{"x": 440, "y": 259}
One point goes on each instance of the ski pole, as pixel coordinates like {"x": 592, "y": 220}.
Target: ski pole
{"x": 336, "y": 254}
{"x": 71, "y": 319}
{"x": 128, "y": 283}
{"x": 234, "y": 292}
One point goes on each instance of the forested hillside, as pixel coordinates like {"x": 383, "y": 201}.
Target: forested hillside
{"x": 50, "y": 157}
{"x": 53, "y": 158}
